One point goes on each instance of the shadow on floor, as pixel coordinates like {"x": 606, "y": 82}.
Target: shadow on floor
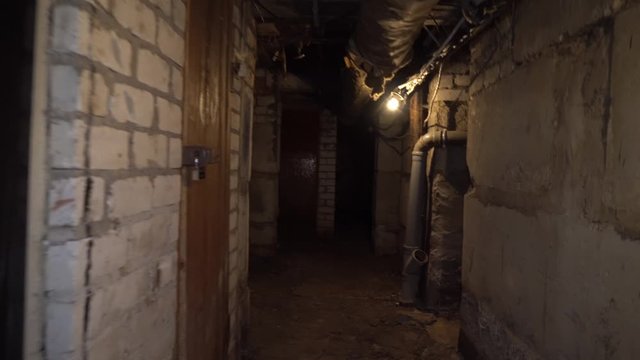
{"x": 339, "y": 302}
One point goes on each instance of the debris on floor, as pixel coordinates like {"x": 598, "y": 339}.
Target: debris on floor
{"x": 339, "y": 304}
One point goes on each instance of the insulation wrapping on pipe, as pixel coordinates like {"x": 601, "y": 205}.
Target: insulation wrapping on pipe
{"x": 416, "y": 206}
{"x": 386, "y": 32}
{"x": 445, "y": 241}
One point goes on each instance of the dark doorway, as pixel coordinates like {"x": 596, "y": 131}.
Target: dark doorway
{"x": 298, "y": 194}
{"x": 17, "y": 38}
{"x": 354, "y": 182}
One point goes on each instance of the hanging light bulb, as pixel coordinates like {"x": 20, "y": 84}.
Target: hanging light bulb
{"x": 394, "y": 102}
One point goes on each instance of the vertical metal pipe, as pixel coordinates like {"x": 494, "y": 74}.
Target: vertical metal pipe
{"x": 415, "y": 229}
{"x": 418, "y": 197}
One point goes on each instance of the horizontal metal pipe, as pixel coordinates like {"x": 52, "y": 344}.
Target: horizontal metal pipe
{"x": 455, "y": 137}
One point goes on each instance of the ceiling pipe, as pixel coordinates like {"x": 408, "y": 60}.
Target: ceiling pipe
{"x": 381, "y": 45}
{"x": 414, "y": 255}
{"x": 316, "y": 15}
{"x": 385, "y": 34}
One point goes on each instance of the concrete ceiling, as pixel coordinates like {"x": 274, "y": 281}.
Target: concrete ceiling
{"x": 329, "y": 20}
{"x": 303, "y": 10}
{"x": 297, "y": 24}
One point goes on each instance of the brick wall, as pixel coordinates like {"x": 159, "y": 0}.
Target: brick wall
{"x": 265, "y": 164}
{"x": 447, "y": 98}
{"x": 327, "y": 175}
{"x": 551, "y": 250}
{"x": 114, "y": 142}
{"x": 388, "y": 196}
{"x": 393, "y": 153}
{"x": 241, "y": 121}
{"x": 393, "y": 147}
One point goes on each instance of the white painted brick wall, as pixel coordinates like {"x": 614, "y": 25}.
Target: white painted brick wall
{"x": 234, "y": 120}
{"x": 137, "y": 17}
{"x": 104, "y": 3}
{"x": 144, "y": 240}
{"x": 177, "y": 83}
{"x": 153, "y": 70}
{"x": 71, "y": 30}
{"x": 170, "y": 42}
{"x": 175, "y": 153}
{"x": 233, "y": 203}
{"x": 167, "y": 270}
{"x": 235, "y": 102}
{"x": 96, "y": 198}
{"x": 100, "y": 96}
{"x": 169, "y": 116}
{"x": 149, "y": 150}
{"x": 235, "y": 142}
{"x": 108, "y": 256}
{"x": 129, "y": 104}
{"x": 150, "y": 238}
{"x": 65, "y": 269}
{"x": 66, "y": 201}
{"x": 111, "y": 50}
{"x": 129, "y": 197}
{"x": 179, "y": 14}
{"x": 327, "y": 174}
{"x": 111, "y": 344}
{"x": 164, "y": 5}
{"x": 110, "y": 303}
{"x": 109, "y": 148}
{"x": 233, "y": 240}
{"x": 67, "y": 140}
{"x": 166, "y": 190}
{"x": 109, "y": 69}
{"x": 234, "y": 162}
{"x": 233, "y": 220}
{"x": 64, "y": 330}
{"x": 76, "y": 85}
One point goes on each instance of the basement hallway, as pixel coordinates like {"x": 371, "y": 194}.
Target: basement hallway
{"x": 338, "y": 302}
{"x": 320, "y": 179}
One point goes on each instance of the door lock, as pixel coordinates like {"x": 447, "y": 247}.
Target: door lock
{"x": 196, "y": 158}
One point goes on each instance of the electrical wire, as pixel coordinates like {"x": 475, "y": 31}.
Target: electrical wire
{"x": 449, "y": 46}
{"x": 433, "y": 96}
{"x": 409, "y": 86}
{"x": 258, "y": 10}
{"x": 432, "y": 36}
{"x": 258, "y": 3}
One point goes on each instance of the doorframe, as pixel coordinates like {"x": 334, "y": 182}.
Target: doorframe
{"x": 291, "y": 101}
{"x": 37, "y": 188}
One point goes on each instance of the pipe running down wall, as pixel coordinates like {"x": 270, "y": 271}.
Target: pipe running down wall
{"x": 414, "y": 255}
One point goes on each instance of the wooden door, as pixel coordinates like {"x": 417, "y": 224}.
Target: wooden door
{"x": 205, "y": 211}
{"x": 298, "y": 194}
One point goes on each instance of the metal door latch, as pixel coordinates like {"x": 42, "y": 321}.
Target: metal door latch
{"x": 197, "y": 158}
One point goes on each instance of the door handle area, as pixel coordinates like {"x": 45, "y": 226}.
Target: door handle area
{"x": 196, "y": 158}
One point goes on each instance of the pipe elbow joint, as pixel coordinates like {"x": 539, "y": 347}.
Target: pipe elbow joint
{"x": 438, "y": 138}
{"x": 415, "y": 261}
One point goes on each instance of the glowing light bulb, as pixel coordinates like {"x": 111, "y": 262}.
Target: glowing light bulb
{"x": 395, "y": 101}
{"x": 393, "y": 104}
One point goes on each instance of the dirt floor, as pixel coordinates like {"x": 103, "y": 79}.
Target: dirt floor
{"x": 333, "y": 304}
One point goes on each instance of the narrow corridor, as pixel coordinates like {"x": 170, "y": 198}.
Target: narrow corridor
{"x": 339, "y": 303}
{"x": 301, "y": 179}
